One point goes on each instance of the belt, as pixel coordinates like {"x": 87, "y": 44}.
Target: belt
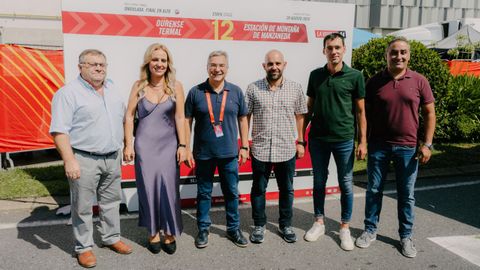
{"x": 93, "y": 153}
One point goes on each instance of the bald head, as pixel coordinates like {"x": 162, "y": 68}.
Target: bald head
{"x": 274, "y": 65}
{"x": 273, "y": 54}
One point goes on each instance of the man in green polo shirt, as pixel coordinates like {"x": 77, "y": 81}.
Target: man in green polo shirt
{"x": 335, "y": 97}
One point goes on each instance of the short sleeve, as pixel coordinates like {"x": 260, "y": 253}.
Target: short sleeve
{"x": 249, "y": 98}
{"x": 311, "y": 85}
{"x": 189, "y": 104}
{"x": 368, "y": 91}
{"x": 300, "y": 102}
{"x": 62, "y": 113}
{"x": 242, "y": 110}
{"x": 426, "y": 94}
{"x": 360, "y": 89}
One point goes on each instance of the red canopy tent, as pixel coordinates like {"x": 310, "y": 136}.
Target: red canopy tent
{"x": 464, "y": 67}
{"x": 28, "y": 79}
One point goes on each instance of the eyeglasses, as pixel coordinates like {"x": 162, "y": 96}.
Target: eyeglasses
{"x": 91, "y": 65}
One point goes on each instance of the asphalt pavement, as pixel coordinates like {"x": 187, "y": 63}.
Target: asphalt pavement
{"x": 447, "y": 235}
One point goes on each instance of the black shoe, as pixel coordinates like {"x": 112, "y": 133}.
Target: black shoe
{"x": 170, "y": 248}
{"x": 201, "y": 240}
{"x": 154, "y": 247}
{"x": 237, "y": 238}
{"x": 288, "y": 234}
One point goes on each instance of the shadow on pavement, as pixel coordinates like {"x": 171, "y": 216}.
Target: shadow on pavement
{"x": 332, "y": 228}
{"x": 44, "y": 237}
{"x": 453, "y": 163}
{"x": 61, "y": 236}
{"x": 458, "y": 203}
{"x": 443, "y": 201}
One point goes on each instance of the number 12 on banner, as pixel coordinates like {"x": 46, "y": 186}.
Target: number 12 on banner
{"x": 226, "y": 26}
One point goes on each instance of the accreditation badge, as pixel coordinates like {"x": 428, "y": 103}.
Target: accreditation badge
{"x": 218, "y": 130}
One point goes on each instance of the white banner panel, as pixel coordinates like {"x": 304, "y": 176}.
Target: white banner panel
{"x": 192, "y": 29}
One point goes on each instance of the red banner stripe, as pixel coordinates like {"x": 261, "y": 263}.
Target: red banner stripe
{"x": 21, "y": 80}
{"x": 23, "y": 134}
{"x": 14, "y": 67}
{"x": 31, "y": 106}
{"x": 13, "y": 113}
{"x": 42, "y": 70}
{"x": 33, "y": 72}
{"x": 86, "y": 23}
{"x": 54, "y": 61}
{"x": 15, "y": 93}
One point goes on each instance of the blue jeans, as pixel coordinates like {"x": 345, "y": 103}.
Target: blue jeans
{"x": 406, "y": 166}
{"x": 228, "y": 172}
{"x": 343, "y": 153}
{"x": 284, "y": 172}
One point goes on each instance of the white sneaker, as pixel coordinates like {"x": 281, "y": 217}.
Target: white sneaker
{"x": 408, "y": 248}
{"x": 346, "y": 240}
{"x": 315, "y": 232}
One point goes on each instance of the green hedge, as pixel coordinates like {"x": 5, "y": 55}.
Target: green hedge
{"x": 464, "y": 107}
{"x": 456, "y": 98}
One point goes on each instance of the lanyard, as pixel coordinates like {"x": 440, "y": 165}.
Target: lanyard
{"x": 222, "y": 108}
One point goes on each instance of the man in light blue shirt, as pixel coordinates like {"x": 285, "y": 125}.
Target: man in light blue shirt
{"x": 87, "y": 128}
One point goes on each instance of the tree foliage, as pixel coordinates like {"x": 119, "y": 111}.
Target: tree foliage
{"x": 464, "y": 105}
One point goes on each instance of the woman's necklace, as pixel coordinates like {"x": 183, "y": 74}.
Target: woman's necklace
{"x": 158, "y": 90}
{"x": 156, "y": 86}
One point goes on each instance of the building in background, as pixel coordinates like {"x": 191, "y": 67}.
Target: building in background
{"x": 31, "y": 23}
{"x": 385, "y": 16}
{"x": 38, "y": 23}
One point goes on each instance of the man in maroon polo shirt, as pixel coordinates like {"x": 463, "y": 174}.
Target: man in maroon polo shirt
{"x": 393, "y": 99}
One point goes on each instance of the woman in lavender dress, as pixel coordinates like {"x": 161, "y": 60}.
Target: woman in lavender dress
{"x": 159, "y": 147}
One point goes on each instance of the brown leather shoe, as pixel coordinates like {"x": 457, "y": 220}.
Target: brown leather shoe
{"x": 120, "y": 247}
{"x": 87, "y": 259}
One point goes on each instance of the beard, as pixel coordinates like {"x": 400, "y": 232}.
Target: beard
{"x": 271, "y": 76}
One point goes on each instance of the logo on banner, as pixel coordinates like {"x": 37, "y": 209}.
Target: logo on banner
{"x": 324, "y": 33}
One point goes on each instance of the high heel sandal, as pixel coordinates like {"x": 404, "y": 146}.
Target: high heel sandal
{"x": 154, "y": 247}
{"x": 169, "y": 248}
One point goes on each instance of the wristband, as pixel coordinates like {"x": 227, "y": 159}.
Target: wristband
{"x": 244, "y": 148}
{"x": 304, "y": 143}
{"x": 181, "y": 145}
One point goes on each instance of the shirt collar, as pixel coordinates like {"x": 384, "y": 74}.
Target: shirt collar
{"x": 207, "y": 87}
{"x": 344, "y": 69}
{"x": 268, "y": 85}
{"x": 408, "y": 74}
{"x": 106, "y": 83}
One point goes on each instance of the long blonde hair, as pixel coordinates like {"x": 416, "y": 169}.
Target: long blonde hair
{"x": 145, "y": 75}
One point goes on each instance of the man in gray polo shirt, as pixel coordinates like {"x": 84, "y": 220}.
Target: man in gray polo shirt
{"x": 277, "y": 106}
{"x": 87, "y": 127}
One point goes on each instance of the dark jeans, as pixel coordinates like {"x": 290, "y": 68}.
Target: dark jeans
{"x": 379, "y": 158}
{"x": 284, "y": 172}
{"x": 343, "y": 153}
{"x": 228, "y": 172}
